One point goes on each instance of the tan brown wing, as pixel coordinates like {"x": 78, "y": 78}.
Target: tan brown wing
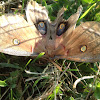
{"x": 83, "y": 45}
{"x": 36, "y": 12}
{"x": 71, "y": 24}
{"x": 17, "y": 37}
{"x": 22, "y": 38}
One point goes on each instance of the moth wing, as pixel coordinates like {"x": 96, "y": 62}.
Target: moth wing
{"x": 72, "y": 20}
{"x": 36, "y": 12}
{"x": 22, "y": 38}
{"x": 71, "y": 24}
{"x": 83, "y": 45}
{"x": 17, "y": 37}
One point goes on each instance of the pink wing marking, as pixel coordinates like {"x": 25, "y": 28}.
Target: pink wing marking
{"x": 66, "y": 51}
{"x": 31, "y": 48}
{"x": 63, "y": 46}
{"x": 36, "y": 45}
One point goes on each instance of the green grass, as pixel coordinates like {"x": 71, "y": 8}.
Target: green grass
{"x": 26, "y": 77}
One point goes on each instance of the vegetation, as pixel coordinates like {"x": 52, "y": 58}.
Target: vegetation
{"x": 29, "y": 78}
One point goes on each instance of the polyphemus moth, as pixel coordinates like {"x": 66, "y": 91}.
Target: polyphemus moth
{"x": 60, "y": 39}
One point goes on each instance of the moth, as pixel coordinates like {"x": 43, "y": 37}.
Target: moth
{"x": 60, "y": 39}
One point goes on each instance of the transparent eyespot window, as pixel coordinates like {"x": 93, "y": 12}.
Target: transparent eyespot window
{"x": 61, "y": 29}
{"x": 16, "y": 41}
{"x": 42, "y": 28}
{"x": 62, "y": 26}
{"x": 83, "y": 48}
